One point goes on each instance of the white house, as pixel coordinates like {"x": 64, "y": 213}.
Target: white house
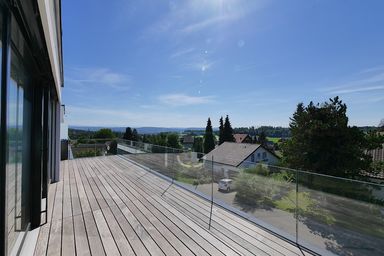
{"x": 231, "y": 156}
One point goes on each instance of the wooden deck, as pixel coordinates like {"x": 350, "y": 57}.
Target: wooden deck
{"x": 110, "y": 206}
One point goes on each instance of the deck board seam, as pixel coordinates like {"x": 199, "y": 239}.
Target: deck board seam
{"x": 177, "y": 210}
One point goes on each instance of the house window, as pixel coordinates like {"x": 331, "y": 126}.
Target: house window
{"x": 252, "y": 158}
{"x": 264, "y": 155}
{"x": 258, "y": 155}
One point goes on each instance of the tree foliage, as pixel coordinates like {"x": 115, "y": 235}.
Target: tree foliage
{"x": 262, "y": 139}
{"x": 135, "y": 135}
{"x": 198, "y": 144}
{"x": 209, "y": 141}
{"x": 104, "y": 133}
{"x": 221, "y": 131}
{"x": 128, "y": 135}
{"x": 381, "y": 125}
{"x": 323, "y": 142}
{"x": 228, "y": 131}
{"x": 173, "y": 141}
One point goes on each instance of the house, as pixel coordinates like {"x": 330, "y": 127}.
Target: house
{"x": 31, "y": 82}
{"x": 231, "y": 156}
{"x": 377, "y": 154}
{"x": 242, "y": 138}
{"x": 188, "y": 141}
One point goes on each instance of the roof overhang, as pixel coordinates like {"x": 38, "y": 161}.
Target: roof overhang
{"x": 50, "y": 14}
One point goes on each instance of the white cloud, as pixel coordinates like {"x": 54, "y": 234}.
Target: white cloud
{"x": 192, "y": 16}
{"x": 354, "y": 90}
{"x": 368, "y": 80}
{"x": 111, "y": 117}
{"x": 209, "y": 22}
{"x": 181, "y": 52}
{"x": 184, "y": 100}
{"x": 98, "y": 76}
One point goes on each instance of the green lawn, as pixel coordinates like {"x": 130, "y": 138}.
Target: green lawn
{"x": 273, "y": 139}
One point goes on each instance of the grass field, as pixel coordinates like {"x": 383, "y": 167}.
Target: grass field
{"x": 273, "y": 139}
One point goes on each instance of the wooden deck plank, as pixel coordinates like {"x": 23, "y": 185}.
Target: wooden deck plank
{"x": 58, "y": 206}
{"x": 42, "y": 245}
{"x": 68, "y": 242}
{"x": 225, "y": 227}
{"x": 85, "y": 206}
{"x": 106, "y": 236}
{"x": 111, "y": 206}
{"x": 96, "y": 192}
{"x": 138, "y": 209}
{"x": 191, "y": 225}
{"x": 75, "y": 200}
{"x": 129, "y": 233}
{"x": 118, "y": 235}
{"x": 94, "y": 239}
{"x": 67, "y": 205}
{"x": 81, "y": 239}
{"x": 87, "y": 187}
{"x": 221, "y": 225}
{"x": 54, "y": 244}
{"x": 183, "y": 232}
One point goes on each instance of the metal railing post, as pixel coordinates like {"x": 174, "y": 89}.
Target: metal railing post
{"x": 210, "y": 215}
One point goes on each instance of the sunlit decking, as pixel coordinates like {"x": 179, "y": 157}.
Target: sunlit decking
{"x": 111, "y": 206}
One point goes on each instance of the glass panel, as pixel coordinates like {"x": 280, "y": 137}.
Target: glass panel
{"x": 12, "y": 160}
{"x": 341, "y": 216}
{"x": 18, "y": 135}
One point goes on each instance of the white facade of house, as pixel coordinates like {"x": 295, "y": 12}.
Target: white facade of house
{"x": 260, "y": 155}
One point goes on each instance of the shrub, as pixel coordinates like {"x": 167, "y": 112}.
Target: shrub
{"x": 258, "y": 190}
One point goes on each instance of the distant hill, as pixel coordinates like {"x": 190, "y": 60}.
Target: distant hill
{"x": 140, "y": 130}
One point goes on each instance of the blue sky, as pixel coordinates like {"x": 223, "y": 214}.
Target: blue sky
{"x": 176, "y": 63}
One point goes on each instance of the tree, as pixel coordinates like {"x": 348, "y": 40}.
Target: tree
{"x": 381, "y": 125}
{"x": 262, "y": 140}
{"x": 135, "y": 135}
{"x": 323, "y": 142}
{"x": 228, "y": 131}
{"x": 173, "y": 141}
{"x": 209, "y": 141}
{"x": 221, "y": 131}
{"x": 198, "y": 144}
{"x": 104, "y": 133}
{"x": 128, "y": 134}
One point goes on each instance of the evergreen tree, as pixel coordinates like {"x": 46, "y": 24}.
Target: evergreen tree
{"x": 381, "y": 125}
{"x": 198, "y": 144}
{"x": 221, "y": 131}
{"x": 135, "y": 135}
{"x": 128, "y": 134}
{"x": 228, "y": 131}
{"x": 262, "y": 140}
{"x": 323, "y": 142}
{"x": 209, "y": 141}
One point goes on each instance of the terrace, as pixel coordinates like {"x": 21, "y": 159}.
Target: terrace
{"x": 123, "y": 196}
{"x": 109, "y": 205}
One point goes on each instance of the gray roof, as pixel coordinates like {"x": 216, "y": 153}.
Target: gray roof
{"x": 231, "y": 153}
{"x": 188, "y": 139}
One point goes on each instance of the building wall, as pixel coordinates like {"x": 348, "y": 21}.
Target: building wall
{"x": 261, "y": 155}
{"x": 226, "y": 171}
{"x": 29, "y": 120}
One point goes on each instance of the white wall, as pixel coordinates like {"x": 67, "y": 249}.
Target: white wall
{"x": 48, "y": 19}
{"x": 269, "y": 159}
